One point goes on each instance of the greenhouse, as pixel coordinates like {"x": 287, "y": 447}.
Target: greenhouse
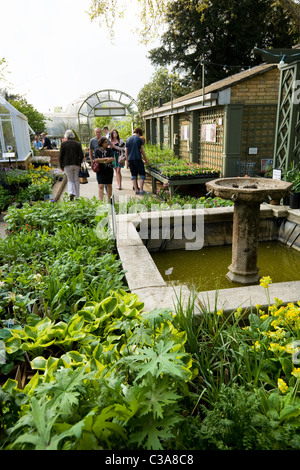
{"x": 15, "y": 133}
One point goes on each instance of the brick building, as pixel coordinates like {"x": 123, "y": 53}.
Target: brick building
{"x": 229, "y": 126}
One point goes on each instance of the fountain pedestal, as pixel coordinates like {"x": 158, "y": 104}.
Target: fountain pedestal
{"x": 243, "y": 268}
{"x": 247, "y": 194}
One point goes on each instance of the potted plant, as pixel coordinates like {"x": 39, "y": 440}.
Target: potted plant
{"x": 292, "y": 175}
{"x": 295, "y": 193}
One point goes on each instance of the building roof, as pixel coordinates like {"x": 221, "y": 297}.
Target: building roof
{"x": 220, "y": 85}
{"x": 229, "y": 81}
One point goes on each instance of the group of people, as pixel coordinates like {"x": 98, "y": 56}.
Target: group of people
{"x": 44, "y": 142}
{"x": 111, "y": 153}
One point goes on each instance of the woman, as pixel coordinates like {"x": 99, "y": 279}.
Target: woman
{"x": 116, "y": 145}
{"x": 104, "y": 156}
{"x": 70, "y": 159}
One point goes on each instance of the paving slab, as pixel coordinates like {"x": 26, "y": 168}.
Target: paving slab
{"x": 163, "y": 297}
{"x": 247, "y": 297}
{"x": 140, "y": 268}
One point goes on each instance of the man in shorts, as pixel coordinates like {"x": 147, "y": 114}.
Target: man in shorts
{"x": 94, "y": 143}
{"x": 135, "y": 154}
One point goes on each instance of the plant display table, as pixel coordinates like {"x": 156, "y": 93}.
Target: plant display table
{"x": 175, "y": 182}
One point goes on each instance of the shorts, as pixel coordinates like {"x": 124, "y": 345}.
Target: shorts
{"x": 105, "y": 175}
{"x": 137, "y": 167}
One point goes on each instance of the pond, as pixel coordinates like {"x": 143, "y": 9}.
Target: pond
{"x": 206, "y": 269}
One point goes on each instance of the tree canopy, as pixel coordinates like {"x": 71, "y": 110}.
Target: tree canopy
{"x": 36, "y": 120}
{"x": 153, "y": 13}
{"x": 222, "y": 35}
{"x": 164, "y": 85}
{"x": 3, "y": 66}
{"x": 293, "y": 7}
{"x": 150, "y": 13}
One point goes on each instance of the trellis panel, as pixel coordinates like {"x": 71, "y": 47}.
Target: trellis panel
{"x": 287, "y": 135}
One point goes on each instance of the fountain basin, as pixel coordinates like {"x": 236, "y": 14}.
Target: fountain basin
{"x": 247, "y": 194}
{"x": 249, "y": 189}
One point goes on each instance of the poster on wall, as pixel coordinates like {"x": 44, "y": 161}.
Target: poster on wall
{"x": 166, "y": 134}
{"x": 209, "y": 132}
{"x": 266, "y": 162}
{"x": 185, "y": 132}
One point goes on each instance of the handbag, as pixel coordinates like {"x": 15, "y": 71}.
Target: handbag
{"x": 122, "y": 159}
{"x": 95, "y": 166}
{"x": 83, "y": 173}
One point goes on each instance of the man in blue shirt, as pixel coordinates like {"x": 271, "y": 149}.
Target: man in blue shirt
{"x": 135, "y": 153}
{"x": 94, "y": 143}
{"x": 37, "y": 143}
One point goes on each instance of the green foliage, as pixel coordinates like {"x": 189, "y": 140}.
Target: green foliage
{"x": 3, "y": 67}
{"x": 36, "y": 120}
{"x": 107, "y": 375}
{"x": 168, "y": 165}
{"x": 196, "y": 31}
{"x": 164, "y": 85}
{"x": 101, "y": 391}
{"x": 123, "y": 126}
{"x": 5, "y": 198}
{"x": 53, "y": 260}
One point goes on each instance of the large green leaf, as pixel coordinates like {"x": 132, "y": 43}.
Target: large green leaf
{"x": 158, "y": 360}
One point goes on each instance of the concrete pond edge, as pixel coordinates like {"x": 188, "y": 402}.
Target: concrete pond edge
{"x": 144, "y": 279}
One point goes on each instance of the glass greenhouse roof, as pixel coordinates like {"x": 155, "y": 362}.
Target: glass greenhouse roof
{"x": 14, "y": 133}
{"x": 113, "y": 103}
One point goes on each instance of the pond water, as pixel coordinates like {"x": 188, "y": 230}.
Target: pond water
{"x": 206, "y": 269}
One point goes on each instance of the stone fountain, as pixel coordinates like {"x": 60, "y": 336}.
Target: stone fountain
{"x": 247, "y": 195}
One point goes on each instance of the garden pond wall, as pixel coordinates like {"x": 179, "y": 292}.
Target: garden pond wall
{"x": 135, "y": 242}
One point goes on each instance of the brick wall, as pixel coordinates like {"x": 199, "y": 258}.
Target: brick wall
{"x": 53, "y": 154}
{"x": 261, "y": 89}
{"x": 184, "y": 120}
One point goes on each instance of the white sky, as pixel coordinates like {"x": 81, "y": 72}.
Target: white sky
{"x": 55, "y": 53}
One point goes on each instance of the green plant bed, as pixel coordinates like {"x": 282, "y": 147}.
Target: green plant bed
{"x": 87, "y": 368}
{"x": 29, "y": 185}
{"x": 176, "y": 171}
{"x": 165, "y": 163}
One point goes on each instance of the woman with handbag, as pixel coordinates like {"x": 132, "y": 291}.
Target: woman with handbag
{"x": 70, "y": 159}
{"x": 104, "y": 158}
{"x": 117, "y": 145}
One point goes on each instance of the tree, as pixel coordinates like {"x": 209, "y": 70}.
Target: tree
{"x": 221, "y": 33}
{"x": 36, "y": 120}
{"x": 124, "y": 125}
{"x": 3, "y": 66}
{"x": 293, "y": 7}
{"x": 164, "y": 85}
{"x": 150, "y": 13}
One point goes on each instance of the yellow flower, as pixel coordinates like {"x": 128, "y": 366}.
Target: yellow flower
{"x": 282, "y": 385}
{"x": 296, "y": 373}
{"x": 220, "y": 312}
{"x": 265, "y": 281}
{"x": 257, "y": 346}
{"x": 264, "y": 317}
{"x": 238, "y": 313}
{"x": 276, "y": 348}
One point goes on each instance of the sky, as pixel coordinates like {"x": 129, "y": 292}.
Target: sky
{"x": 55, "y": 54}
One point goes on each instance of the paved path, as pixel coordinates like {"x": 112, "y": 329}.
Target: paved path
{"x": 90, "y": 189}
